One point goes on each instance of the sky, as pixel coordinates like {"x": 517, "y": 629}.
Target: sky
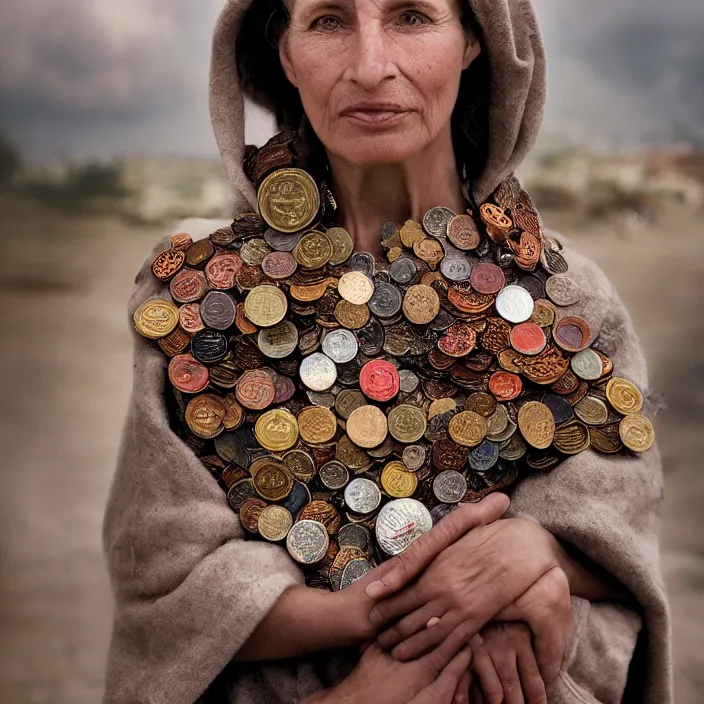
{"x": 97, "y": 78}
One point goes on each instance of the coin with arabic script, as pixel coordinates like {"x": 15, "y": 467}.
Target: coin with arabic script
{"x": 288, "y": 200}
{"x": 362, "y": 496}
{"x": 307, "y": 542}
{"x": 401, "y": 522}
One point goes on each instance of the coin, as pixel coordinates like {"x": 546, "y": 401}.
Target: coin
{"x": 234, "y": 413}
{"x": 167, "y": 263}
{"x": 421, "y": 304}
{"x": 347, "y": 400}
{"x": 592, "y": 410}
{"x": 317, "y": 425}
{"x": 265, "y": 305}
{"x": 587, "y": 365}
{"x": 403, "y": 270}
{"x": 463, "y": 233}
{"x": 400, "y": 523}
{"x": 209, "y": 346}
{"x": 181, "y": 240}
{"x": 308, "y": 293}
{"x": 559, "y": 407}
{"x": 505, "y": 385}
{"x": 449, "y": 486}
{"x": 188, "y": 286}
{"x": 272, "y": 482}
{"x": 414, "y": 457}
{"x": 624, "y": 395}
{"x": 367, "y": 426}
{"x": 407, "y": 423}
{"x": 278, "y": 342}
{"x": 513, "y": 449}
{"x": 175, "y": 342}
{"x": 379, "y": 380}
{"x": 429, "y": 250}
{"x": 255, "y": 390}
{"x": 571, "y": 333}
{"x": 497, "y": 223}
{"x": 354, "y": 571}
{"x": 274, "y": 523}
{"x": 351, "y": 316}
{"x": 199, "y": 252}
{"x": 386, "y": 300}
{"x": 572, "y": 437}
{"x": 288, "y": 200}
{"x": 467, "y": 428}
{"x": 217, "y": 310}
{"x": 223, "y": 236}
{"x": 156, "y": 318}
{"x": 562, "y": 290}
{"x": 324, "y": 513}
{"x": 313, "y": 251}
{"x": 482, "y": 403}
{"x": 300, "y": 465}
{"x": 238, "y": 492}
{"x": 307, "y": 541}
{"x": 204, "y": 416}
{"x": 318, "y": 372}
{"x": 636, "y": 432}
{"x": 487, "y": 278}
{"x": 355, "y": 287}
{"x": 342, "y": 244}
{"x": 340, "y": 345}
{"x": 537, "y": 425}
{"x": 362, "y": 496}
{"x": 458, "y": 340}
{"x": 528, "y": 338}
{"x": 411, "y": 232}
{"x": 544, "y": 313}
{"x": 606, "y": 439}
{"x": 456, "y": 267}
{"x": 222, "y": 269}
{"x": 187, "y": 374}
{"x": 189, "y": 318}
{"x": 279, "y": 265}
{"x": 397, "y": 481}
{"x": 514, "y": 304}
{"x": 436, "y": 221}
{"x": 276, "y": 430}
{"x": 497, "y": 422}
{"x": 250, "y": 511}
{"x": 334, "y": 475}
{"x": 408, "y": 380}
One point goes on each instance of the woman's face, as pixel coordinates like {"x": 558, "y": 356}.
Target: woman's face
{"x": 378, "y": 78}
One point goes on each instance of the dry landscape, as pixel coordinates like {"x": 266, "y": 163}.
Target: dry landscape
{"x": 65, "y": 352}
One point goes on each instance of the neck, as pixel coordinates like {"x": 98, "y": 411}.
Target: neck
{"x": 369, "y": 196}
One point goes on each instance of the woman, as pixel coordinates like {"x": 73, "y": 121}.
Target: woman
{"x": 401, "y": 107}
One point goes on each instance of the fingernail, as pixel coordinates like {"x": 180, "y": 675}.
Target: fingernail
{"x": 432, "y": 622}
{"x": 375, "y": 589}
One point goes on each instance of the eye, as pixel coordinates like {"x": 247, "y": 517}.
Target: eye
{"x": 412, "y": 19}
{"x": 326, "y": 24}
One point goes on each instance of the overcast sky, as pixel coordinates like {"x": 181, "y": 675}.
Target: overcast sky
{"x": 101, "y": 77}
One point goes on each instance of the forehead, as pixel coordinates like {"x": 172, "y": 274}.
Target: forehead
{"x": 378, "y": 5}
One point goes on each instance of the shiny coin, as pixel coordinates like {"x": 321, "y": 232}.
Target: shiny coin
{"x": 217, "y": 310}
{"x": 483, "y": 457}
{"x": 199, "y": 252}
{"x": 255, "y": 390}
{"x": 272, "y": 482}
{"x": 624, "y": 396}
{"x": 562, "y": 290}
{"x": 278, "y": 342}
{"x": 386, "y": 301}
{"x": 505, "y": 385}
{"x": 636, "y": 432}
{"x": 318, "y": 372}
{"x": 456, "y": 267}
{"x": 167, "y": 263}
{"x": 592, "y": 410}
{"x": 307, "y": 542}
{"x": 364, "y": 262}
{"x": 528, "y": 338}
{"x": 355, "y": 287}
{"x": 572, "y": 437}
{"x": 189, "y": 318}
{"x": 362, "y": 496}
{"x": 458, "y": 340}
{"x": 317, "y": 425}
{"x": 288, "y": 200}
{"x": 463, "y": 233}
{"x": 313, "y": 251}
{"x": 187, "y": 374}
{"x": 403, "y": 270}
{"x": 209, "y": 346}
{"x": 351, "y": 316}
{"x": 276, "y": 430}
{"x": 401, "y": 522}
{"x": 436, "y": 221}
{"x": 537, "y": 425}
{"x": 175, "y": 342}
{"x": 274, "y": 523}
{"x": 300, "y": 465}
{"x": 553, "y": 260}
{"x": 250, "y": 511}
{"x": 367, "y": 426}
{"x": 379, "y": 380}
{"x": 467, "y": 428}
{"x": 279, "y": 265}
{"x": 397, "y": 481}
{"x": 188, "y": 286}
{"x": 354, "y": 571}
{"x": 204, "y": 416}
{"x": 514, "y": 304}
{"x": 334, "y": 475}
{"x": 421, "y": 304}
{"x": 308, "y": 293}
{"x": 407, "y": 423}
{"x": 342, "y": 244}
{"x": 587, "y": 365}
{"x": 156, "y": 318}
{"x": 487, "y": 278}
{"x": 265, "y": 305}
{"x": 449, "y": 487}
{"x": 222, "y": 269}
{"x": 340, "y": 345}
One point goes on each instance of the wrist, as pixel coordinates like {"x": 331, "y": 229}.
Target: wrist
{"x": 351, "y": 615}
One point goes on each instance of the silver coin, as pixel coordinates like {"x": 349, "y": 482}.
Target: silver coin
{"x": 435, "y": 221}
{"x": 409, "y": 380}
{"x": 386, "y": 301}
{"x": 514, "y": 304}
{"x": 364, "y": 262}
{"x": 562, "y": 290}
{"x": 551, "y": 258}
{"x": 253, "y": 251}
{"x": 217, "y": 310}
{"x": 402, "y": 270}
{"x": 355, "y": 570}
{"x": 449, "y": 486}
{"x": 307, "y": 542}
{"x": 278, "y": 342}
{"x": 511, "y": 428}
{"x": 513, "y": 449}
{"x": 318, "y": 372}
{"x": 321, "y": 398}
{"x": 401, "y": 522}
{"x": 362, "y": 496}
{"x": 587, "y": 365}
{"x": 414, "y": 457}
{"x": 592, "y": 410}
{"x": 334, "y": 475}
{"x": 280, "y": 241}
{"x": 354, "y": 535}
{"x": 498, "y": 421}
{"x": 456, "y": 267}
{"x": 340, "y": 345}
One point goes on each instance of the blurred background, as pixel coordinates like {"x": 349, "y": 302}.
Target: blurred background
{"x": 105, "y": 142}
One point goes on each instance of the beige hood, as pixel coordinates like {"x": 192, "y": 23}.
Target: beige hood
{"x": 517, "y": 89}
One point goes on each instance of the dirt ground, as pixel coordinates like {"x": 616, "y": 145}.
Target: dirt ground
{"x": 65, "y": 354}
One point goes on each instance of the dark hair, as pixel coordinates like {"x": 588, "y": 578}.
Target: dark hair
{"x": 259, "y": 66}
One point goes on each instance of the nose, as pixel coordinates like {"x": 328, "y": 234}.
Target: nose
{"x": 371, "y": 62}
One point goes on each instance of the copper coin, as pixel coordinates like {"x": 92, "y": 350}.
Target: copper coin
{"x": 421, "y": 304}
{"x": 255, "y": 390}
{"x": 204, "y": 416}
{"x": 568, "y": 383}
{"x": 505, "y": 386}
{"x": 279, "y": 265}
{"x": 562, "y": 290}
{"x": 572, "y": 438}
{"x": 482, "y": 403}
{"x": 537, "y": 425}
{"x": 175, "y": 342}
{"x": 188, "y": 286}
{"x": 571, "y": 333}
{"x": 463, "y": 233}
{"x": 497, "y": 223}
{"x": 217, "y": 310}
{"x": 199, "y": 252}
{"x": 351, "y": 316}
{"x": 222, "y": 269}
{"x": 181, "y": 240}
{"x": 316, "y": 425}
{"x": 528, "y": 338}
{"x": 606, "y": 439}
{"x": 458, "y": 340}
{"x": 447, "y": 454}
{"x": 234, "y": 413}
{"x": 249, "y": 514}
{"x": 487, "y": 278}
{"x": 462, "y": 297}
{"x": 187, "y": 374}
{"x": 497, "y": 336}
{"x": 367, "y": 426}
{"x": 322, "y": 512}
{"x": 189, "y": 317}
{"x": 379, "y": 380}
{"x": 167, "y": 263}
{"x": 223, "y": 236}
{"x": 544, "y": 368}
{"x": 527, "y": 251}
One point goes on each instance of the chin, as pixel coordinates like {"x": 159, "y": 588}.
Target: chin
{"x": 377, "y": 149}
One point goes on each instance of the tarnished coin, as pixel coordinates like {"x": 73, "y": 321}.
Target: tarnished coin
{"x": 334, "y": 475}
{"x": 544, "y": 313}
{"x": 222, "y": 269}
{"x": 199, "y": 252}
{"x": 234, "y": 413}
{"x": 403, "y": 270}
{"x": 209, "y": 346}
{"x": 300, "y": 465}
{"x": 250, "y": 511}
{"x": 205, "y": 415}
{"x": 318, "y": 372}
{"x": 606, "y": 439}
{"x": 482, "y": 403}
{"x": 278, "y": 342}
{"x": 514, "y": 304}
{"x": 456, "y": 267}
{"x": 253, "y": 251}
{"x": 407, "y": 423}
{"x": 587, "y": 365}
{"x": 571, "y": 333}
{"x": 354, "y": 571}
{"x": 528, "y": 338}
{"x": 297, "y": 499}
{"x": 288, "y": 200}
{"x": 355, "y": 287}
{"x": 307, "y": 541}
{"x": 414, "y": 457}
{"x": 409, "y": 380}
{"x": 537, "y": 425}
{"x": 421, "y": 304}
{"x": 624, "y": 395}
{"x": 354, "y": 535}
{"x": 352, "y": 316}
{"x": 156, "y": 318}
{"x": 411, "y": 232}
{"x": 636, "y": 432}
{"x": 313, "y": 251}
{"x": 401, "y": 522}
{"x": 572, "y": 437}
{"x": 181, "y": 240}
{"x": 463, "y": 233}
{"x": 364, "y": 262}
{"x": 317, "y": 425}
{"x": 483, "y": 457}
{"x": 436, "y": 221}
{"x": 187, "y": 374}
{"x": 342, "y": 244}
{"x": 255, "y": 390}
{"x": 279, "y": 265}
{"x": 513, "y": 449}
{"x": 379, "y": 380}
{"x": 274, "y": 523}
{"x": 429, "y": 250}
{"x": 397, "y": 481}
{"x": 449, "y": 487}
{"x": 323, "y": 512}
{"x": 497, "y": 422}
{"x": 167, "y": 263}
{"x": 188, "y": 286}
{"x": 346, "y": 402}
{"x": 265, "y": 305}
{"x": 175, "y": 342}
{"x": 340, "y": 345}
{"x": 562, "y": 290}
{"x": 592, "y": 410}
{"x": 458, "y": 340}
{"x": 487, "y": 278}
{"x": 362, "y": 496}
{"x": 217, "y": 310}
{"x": 189, "y": 318}
{"x": 559, "y": 407}
{"x": 238, "y": 492}
{"x": 367, "y": 426}
{"x": 386, "y": 301}
{"x": 272, "y": 482}
{"x": 276, "y": 430}
{"x": 282, "y": 241}
{"x": 467, "y": 428}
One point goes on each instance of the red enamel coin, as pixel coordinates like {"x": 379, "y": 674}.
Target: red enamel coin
{"x": 505, "y": 386}
{"x": 379, "y": 380}
{"x": 528, "y": 338}
{"x": 187, "y": 374}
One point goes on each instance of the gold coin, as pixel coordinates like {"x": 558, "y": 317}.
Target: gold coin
{"x": 313, "y": 251}
{"x": 397, "y": 481}
{"x": 342, "y": 244}
{"x": 272, "y": 481}
{"x": 411, "y": 232}
{"x": 636, "y": 432}
{"x": 352, "y": 456}
{"x": 265, "y": 305}
{"x": 407, "y": 423}
{"x": 274, "y": 523}
{"x": 276, "y": 430}
{"x": 355, "y": 287}
{"x": 393, "y": 254}
{"x": 429, "y": 250}
{"x": 440, "y": 406}
{"x": 468, "y": 428}
{"x": 421, "y": 304}
{"x": 544, "y": 313}
{"x": 367, "y": 426}
{"x": 537, "y": 424}
{"x": 205, "y": 415}
{"x": 156, "y": 318}
{"x": 572, "y": 437}
{"x": 305, "y": 293}
{"x": 351, "y": 316}
{"x": 317, "y": 424}
{"x": 624, "y": 396}
{"x": 288, "y": 200}
{"x": 234, "y": 413}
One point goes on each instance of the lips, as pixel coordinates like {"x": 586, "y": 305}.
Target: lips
{"x": 375, "y": 113}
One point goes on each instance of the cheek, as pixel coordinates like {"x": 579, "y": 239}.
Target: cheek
{"x": 317, "y": 74}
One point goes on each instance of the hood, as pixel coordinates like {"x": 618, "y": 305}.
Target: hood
{"x": 511, "y": 40}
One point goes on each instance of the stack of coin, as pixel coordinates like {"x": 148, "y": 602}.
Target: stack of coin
{"x": 346, "y": 404}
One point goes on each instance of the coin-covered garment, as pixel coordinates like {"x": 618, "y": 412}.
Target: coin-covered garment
{"x": 346, "y": 404}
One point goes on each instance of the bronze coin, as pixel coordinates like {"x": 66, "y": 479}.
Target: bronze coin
{"x": 537, "y": 425}
{"x": 272, "y": 482}
{"x": 224, "y": 374}
{"x": 199, "y": 252}
{"x": 167, "y": 263}
{"x": 544, "y": 313}
{"x": 465, "y": 299}
{"x": 175, "y": 342}
{"x": 568, "y": 383}
{"x": 463, "y": 233}
{"x": 255, "y": 390}
{"x": 181, "y": 240}
{"x": 606, "y": 439}
{"x": 636, "y": 432}
{"x": 223, "y": 236}
{"x": 205, "y": 415}
{"x": 279, "y": 265}
{"x": 447, "y": 454}
{"x": 324, "y": 513}
{"x": 249, "y": 514}
{"x": 482, "y": 403}
{"x": 497, "y": 336}
{"x": 222, "y": 269}
{"x": 527, "y": 251}
{"x": 497, "y": 223}
{"x": 572, "y": 333}
{"x": 429, "y": 250}
{"x": 187, "y": 374}
{"x": 458, "y": 340}
{"x": 544, "y": 368}
{"x": 572, "y": 437}
{"x": 505, "y": 385}
{"x": 189, "y": 317}
{"x": 188, "y": 286}
{"x": 487, "y": 278}
{"x": 351, "y": 316}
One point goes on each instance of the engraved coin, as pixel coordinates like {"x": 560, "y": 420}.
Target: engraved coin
{"x": 318, "y": 372}
{"x": 514, "y": 304}
{"x": 537, "y": 425}
{"x": 429, "y": 250}
{"x": 334, "y": 475}
{"x": 436, "y": 220}
{"x": 354, "y": 571}
{"x": 255, "y": 390}
{"x": 188, "y": 286}
{"x": 463, "y": 233}
{"x": 401, "y": 522}
{"x": 167, "y": 263}
{"x": 279, "y": 265}
{"x": 313, "y": 251}
{"x": 624, "y": 395}
{"x": 414, "y": 457}
{"x": 250, "y": 511}
{"x": 355, "y": 287}
{"x": 364, "y": 262}
{"x": 300, "y": 465}
{"x": 544, "y": 313}
{"x": 323, "y": 512}
{"x": 636, "y": 432}
{"x": 386, "y": 300}
{"x": 458, "y": 340}
{"x": 274, "y": 523}
{"x": 587, "y": 365}
{"x": 487, "y": 278}
{"x": 449, "y": 487}
{"x": 407, "y": 423}
{"x": 379, "y": 380}
{"x": 342, "y": 244}
{"x": 181, "y": 240}
{"x": 288, "y": 200}
{"x": 222, "y": 269}
{"x": 205, "y": 415}
{"x": 187, "y": 374}
{"x": 403, "y": 270}
{"x": 528, "y": 338}
{"x": 265, "y": 305}
{"x": 397, "y": 481}
{"x": 467, "y": 428}
{"x": 317, "y": 425}
{"x": 572, "y": 437}
{"x": 482, "y": 403}
{"x": 421, "y": 304}
{"x": 209, "y": 346}
{"x": 238, "y": 492}
{"x": 456, "y": 267}
{"x": 483, "y": 457}
{"x": 362, "y": 496}
{"x": 307, "y": 542}
{"x": 156, "y": 318}
{"x": 189, "y": 318}
{"x": 282, "y": 241}
{"x": 346, "y": 402}
{"x": 562, "y": 290}
{"x": 278, "y": 342}
{"x": 254, "y": 251}
{"x": 175, "y": 342}
{"x": 340, "y": 345}
{"x": 352, "y": 316}
{"x": 497, "y": 422}
{"x": 592, "y": 410}
{"x": 276, "y": 430}
{"x": 272, "y": 482}
{"x": 199, "y": 252}
{"x": 217, "y": 310}
{"x": 367, "y": 426}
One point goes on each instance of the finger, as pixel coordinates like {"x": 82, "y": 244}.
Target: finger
{"x": 485, "y": 672}
{"x": 462, "y": 691}
{"x": 439, "y": 639}
{"x": 396, "y": 606}
{"x": 507, "y": 670}
{"x": 367, "y": 643}
{"x": 531, "y": 682}
{"x": 446, "y": 684}
{"x": 409, "y": 625}
{"x": 420, "y": 553}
